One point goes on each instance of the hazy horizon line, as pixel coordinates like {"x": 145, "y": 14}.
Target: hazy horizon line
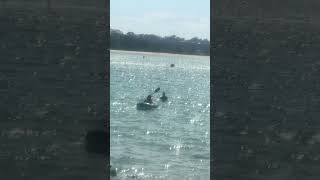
{"x": 159, "y": 35}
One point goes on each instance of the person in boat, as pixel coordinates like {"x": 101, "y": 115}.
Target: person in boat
{"x": 148, "y": 100}
{"x": 164, "y": 97}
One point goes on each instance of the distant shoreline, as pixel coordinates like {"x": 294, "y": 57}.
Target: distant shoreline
{"x": 157, "y": 44}
{"x": 164, "y": 53}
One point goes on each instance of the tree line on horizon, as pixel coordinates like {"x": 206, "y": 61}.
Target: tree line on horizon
{"x": 154, "y": 43}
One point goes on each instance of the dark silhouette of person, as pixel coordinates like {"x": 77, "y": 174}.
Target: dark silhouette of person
{"x": 149, "y": 99}
{"x": 164, "y": 97}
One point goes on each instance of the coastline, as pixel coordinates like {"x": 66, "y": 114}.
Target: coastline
{"x": 161, "y": 53}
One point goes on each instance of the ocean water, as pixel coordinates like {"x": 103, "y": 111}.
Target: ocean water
{"x": 172, "y": 141}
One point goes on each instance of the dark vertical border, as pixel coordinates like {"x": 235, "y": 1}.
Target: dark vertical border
{"x": 108, "y": 78}
{"x": 54, "y": 89}
{"x": 212, "y": 95}
{"x": 264, "y": 90}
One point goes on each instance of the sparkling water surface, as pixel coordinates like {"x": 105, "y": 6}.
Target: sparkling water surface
{"x": 172, "y": 141}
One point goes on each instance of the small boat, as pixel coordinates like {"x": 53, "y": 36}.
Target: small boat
{"x": 171, "y": 65}
{"x": 146, "y": 106}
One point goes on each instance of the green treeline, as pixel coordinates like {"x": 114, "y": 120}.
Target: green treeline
{"x": 153, "y": 43}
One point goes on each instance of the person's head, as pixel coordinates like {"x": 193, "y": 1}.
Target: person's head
{"x": 149, "y": 97}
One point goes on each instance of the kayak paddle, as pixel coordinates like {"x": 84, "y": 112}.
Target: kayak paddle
{"x": 157, "y": 90}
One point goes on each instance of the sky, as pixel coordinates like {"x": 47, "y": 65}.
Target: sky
{"x": 183, "y": 18}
